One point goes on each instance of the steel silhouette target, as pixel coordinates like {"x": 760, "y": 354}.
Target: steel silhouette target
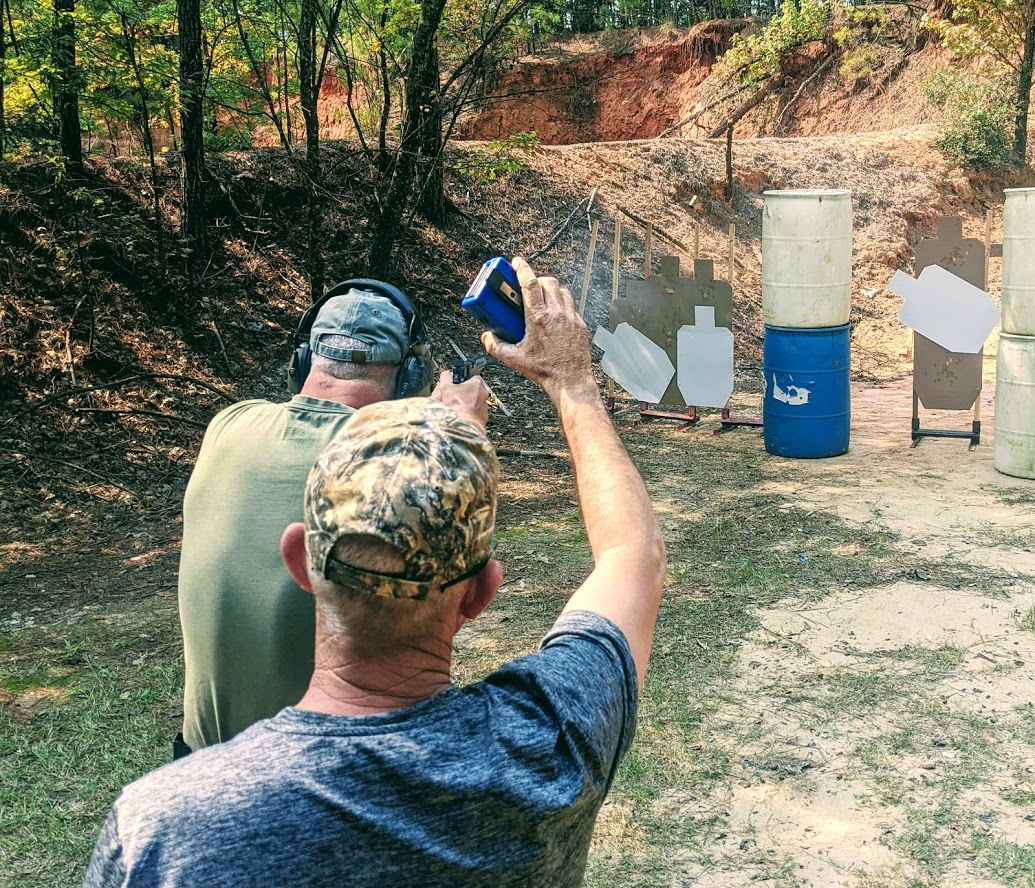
{"x": 705, "y": 366}
{"x": 637, "y": 364}
{"x": 944, "y": 379}
{"x": 662, "y": 305}
{"x": 945, "y": 309}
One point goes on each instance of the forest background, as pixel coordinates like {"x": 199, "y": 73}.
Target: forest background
{"x": 110, "y": 77}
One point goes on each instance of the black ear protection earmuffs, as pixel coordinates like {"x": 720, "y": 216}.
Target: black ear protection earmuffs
{"x": 417, "y": 371}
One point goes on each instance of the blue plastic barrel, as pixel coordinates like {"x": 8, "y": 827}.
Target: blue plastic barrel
{"x": 807, "y": 407}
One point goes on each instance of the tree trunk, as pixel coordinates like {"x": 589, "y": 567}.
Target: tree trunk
{"x": 753, "y": 102}
{"x": 66, "y": 95}
{"x": 308, "y": 87}
{"x": 3, "y": 55}
{"x": 431, "y": 202}
{"x": 285, "y": 88}
{"x": 146, "y": 137}
{"x": 422, "y": 72}
{"x": 1020, "y": 138}
{"x": 729, "y": 163}
{"x": 192, "y": 137}
{"x": 386, "y": 93}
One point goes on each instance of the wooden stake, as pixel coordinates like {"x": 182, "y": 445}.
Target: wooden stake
{"x": 646, "y": 250}
{"x": 732, "y": 241}
{"x": 697, "y": 240}
{"x": 618, "y": 259}
{"x": 729, "y": 162}
{"x": 614, "y": 286}
{"x": 988, "y": 249}
{"x": 589, "y": 266}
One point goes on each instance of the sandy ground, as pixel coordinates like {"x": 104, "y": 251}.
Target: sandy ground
{"x": 826, "y": 816}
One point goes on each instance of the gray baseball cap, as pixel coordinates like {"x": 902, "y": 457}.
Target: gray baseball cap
{"x": 368, "y": 317}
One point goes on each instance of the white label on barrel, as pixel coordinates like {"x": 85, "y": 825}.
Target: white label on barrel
{"x": 793, "y": 395}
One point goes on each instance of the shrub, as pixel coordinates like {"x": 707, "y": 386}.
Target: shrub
{"x": 976, "y": 119}
{"x": 856, "y": 34}
{"x": 496, "y": 159}
{"x": 757, "y": 57}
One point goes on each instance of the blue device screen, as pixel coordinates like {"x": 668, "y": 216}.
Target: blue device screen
{"x": 494, "y": 299}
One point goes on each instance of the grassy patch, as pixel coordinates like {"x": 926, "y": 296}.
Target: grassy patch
{"x": 1026, "y": 620}
{"x": 64, "y": 758}
{"x": 927, "y": 765}
{"x": 15, "y": 680}
{"x": 746, "y": 552}
{"x": 1014, "y": 864}
{"x": 1020, "y": 496}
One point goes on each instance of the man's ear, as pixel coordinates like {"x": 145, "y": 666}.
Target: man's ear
{"x": 292, "y": 550}
{"x": 481, "y": 590}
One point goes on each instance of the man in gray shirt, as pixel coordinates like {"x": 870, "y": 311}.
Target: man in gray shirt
{"x": 385, "y": 774}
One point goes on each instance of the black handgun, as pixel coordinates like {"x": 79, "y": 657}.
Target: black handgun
{"x": 465, "y": 368}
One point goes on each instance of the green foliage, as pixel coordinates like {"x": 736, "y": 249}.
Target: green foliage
{"x": 757, "y": 57}
{"x": 129, "y": 63}
{"x": 857, "y": 65}
{"x": 976, "y": 119}
{"x": 127, "y": 77}
{"x": 982, "y": 28}
{"x": 856, "y": 33}
{"x": 229, "y": 138}
{"x": 498, "y": 158}
{"x": 126, "y": 62}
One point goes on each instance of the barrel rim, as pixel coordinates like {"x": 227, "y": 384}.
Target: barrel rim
{"x": 814, "y": 330}
{"x": 1028, "y": 336}
{"x": 807, "y": 192}
{"x": 1018, "y": 190}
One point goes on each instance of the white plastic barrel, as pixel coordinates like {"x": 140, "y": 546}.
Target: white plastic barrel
{"x": 1014, "y": 450}
{"x": 1019, "y": 261}
{"x": 807, "y": 258}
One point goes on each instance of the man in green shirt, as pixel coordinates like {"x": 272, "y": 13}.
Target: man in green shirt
{"x": 247, "y": 627}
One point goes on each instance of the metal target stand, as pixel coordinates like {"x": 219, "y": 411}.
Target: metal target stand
{"x": 918, "y": 433}
{"x": 932, "y": 371}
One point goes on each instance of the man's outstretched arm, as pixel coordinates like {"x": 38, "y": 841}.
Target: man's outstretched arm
{"x": 628, "y": 550}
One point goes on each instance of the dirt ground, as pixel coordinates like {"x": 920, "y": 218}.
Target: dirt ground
{"x": 894, "y": 789}
{"x": 841, "y": 691}
{"x": 638, "y": 84}
{"x": 842, "y": 686}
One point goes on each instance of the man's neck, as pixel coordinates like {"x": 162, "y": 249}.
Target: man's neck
{"x": 347, "y": 683}
{"x": 350, "y": 392}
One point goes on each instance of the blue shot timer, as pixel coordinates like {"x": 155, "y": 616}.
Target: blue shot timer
{"x": 495, "y": 300}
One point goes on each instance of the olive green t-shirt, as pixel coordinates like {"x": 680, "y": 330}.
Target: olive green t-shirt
{"x": 247, "y": 626}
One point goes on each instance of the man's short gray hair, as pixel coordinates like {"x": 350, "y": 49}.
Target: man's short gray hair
{"x": 375, "y": 624}
{"x": 383, "y": 374}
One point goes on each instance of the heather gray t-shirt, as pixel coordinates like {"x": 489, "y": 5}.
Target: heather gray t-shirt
{"x": 495, "y": 784}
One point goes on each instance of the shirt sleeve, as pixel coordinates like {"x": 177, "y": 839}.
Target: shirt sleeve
{"x": 582, "y": 681}
{"x": 594, "y": 666}
{"x": 107, "y": 869}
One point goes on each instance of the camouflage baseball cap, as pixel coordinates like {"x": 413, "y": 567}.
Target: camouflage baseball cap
{"x": 413, "y": 474}
{"x": 364, "y": 315}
